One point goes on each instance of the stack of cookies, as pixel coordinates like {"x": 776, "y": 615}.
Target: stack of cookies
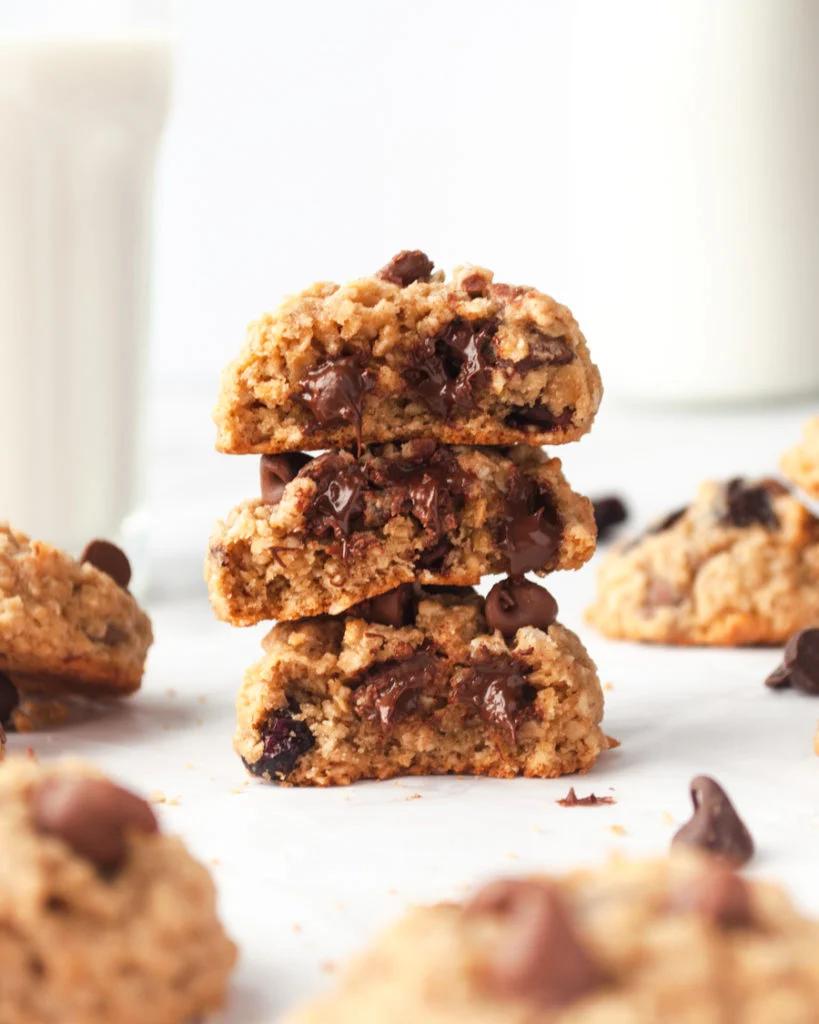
{"x": 429, "y": 400}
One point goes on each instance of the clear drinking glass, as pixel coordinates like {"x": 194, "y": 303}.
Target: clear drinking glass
{"x": 84, "y": 93}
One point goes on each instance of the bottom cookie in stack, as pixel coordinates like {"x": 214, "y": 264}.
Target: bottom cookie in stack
{"x": 423, "y": 681}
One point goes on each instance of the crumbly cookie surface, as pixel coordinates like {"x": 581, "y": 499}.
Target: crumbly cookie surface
{"x": 136, "y": 943}
{"x": 66, "y": 627}
{"x": 679, "y": 941}
{"x": 465, "y": 361}
{"x": 345, "y": 529}
{"x": 800, "y": 464}
{"x": 738, "y": 566}
{"x": 336, "y": 699}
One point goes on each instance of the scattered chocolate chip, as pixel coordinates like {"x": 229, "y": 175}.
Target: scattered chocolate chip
{"x": 661, "y": 525}
{"x": 284, "y": 740}
{"x": 93, "y": 816}
{"x": 334, "y": 392}
{"x": 9, "y": 699}
{"x": 514, "y": 603}
{"x": 396, "y": 608}
{"x": 715, "y": 826}
{"x": 571, "y": 799}
{"x": 608, "y": 513}
{"x": 391, "y": 690}
{"x": 539, "y": 957}
{"x": 541, "y": 417}
{"x": 110, "y": 559}
{"x": 800, "y": 667}
{"x": 749, "y": 506}
{"x": 498, "y": 689}
{"x": 530, "y": 527}
{"x": 445, "y": 369}
{"x": 717, "y": 894}
{"x": 408, "y": 266}
{"x": 276, "y": 471}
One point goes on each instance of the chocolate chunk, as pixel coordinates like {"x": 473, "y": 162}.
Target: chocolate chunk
{"x": 544, "y": 350}
{"x": 571, "y": 799}
{"x": 475, "y": 285}
{"x": 541, "y": 417}
{"x": 395, "y": 608}
{"x": 719, "y": 895}
{"x": 338, "y": 500}
{"x": 446, "y": 368}
{"x": 779, "y": 678}
{"x": 276, "y": 471}
{"x": 390, "y": 691}
{"x": 428, "y": 483}
{"x": 334, "y": 392}
{"x": 110, "y": 559}
{"x": 608, "y": 513}
{"x": 530, "y": 528}
{"x": 514, "y": 603}
{"x": 498, "y": 689}
{"x": 539, "y": 957}
{"x": 284, "y": 740}
{"x": 749, "y": 506}
{"x": 802, "y": 660}
{"x": 433, "y": 559}
{"x": 667, "y": 521}
{"x": 93, "y": 816}
{"x": 9, "y": 699}
{"x": 715, "y": 826}
{"x": 408, "y": 266}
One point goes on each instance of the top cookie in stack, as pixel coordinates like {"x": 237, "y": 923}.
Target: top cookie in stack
{"x": 389, "y": 372}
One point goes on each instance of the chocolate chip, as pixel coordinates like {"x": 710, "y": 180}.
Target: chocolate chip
{"x": 391, "y": 690}
{"x": 110, "y": 559}
{"x": 334, "y": 392}
{"x": 284, "y": 740}
{"x": 544, "y": 350}
{"x": 530, "y": 529}
{"x": 92, "y": 816}
{"x": 396, "y": 608}
{"x": 433, "y": 559}
{"x": 408, "y": 266}
{"x": 276, "y": 471}
{"x": 800, "y": 666}
{"x": 338, "y": 501}
{"x": 661, "y": 525}
{"x": 749, "y": 506}
{"x": 498, "y": 689}
{"x": 715, "y": 826}
{"x": 9, "y": 699}
{"x": 779, "y": 678}
{"x": 541, "y": 417}
{"x": 718, "y": 895}
{"x": 608, "y": 513}
{"x": 571, "y": 799}
{"x": 445, "y": 369}
{"x": 539, "y": 956}
{"x": 514, "y": 603}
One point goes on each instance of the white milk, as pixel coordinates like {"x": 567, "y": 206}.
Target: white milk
{"x": 695, "y": 166}
{"x": 79, "y": 125}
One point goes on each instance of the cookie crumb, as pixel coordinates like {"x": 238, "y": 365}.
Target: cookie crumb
{"x": 329, "y": 966}
{"x": 538, "y": 829}
{"x": 170, "y": 692}
{"x": 668, "y": 819}
{"x": 190, "y": 767}
{"x": 618, "y": 830}
{"x": 608, "y": 687}
{"x": 413, "y": 796}
{"x": 156, "y": 796}
{"x": 296, "y": 929}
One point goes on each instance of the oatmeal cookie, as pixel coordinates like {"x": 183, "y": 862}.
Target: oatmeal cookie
{"x": 102, "y": 918}
{"x": 738, "y": 566}
{"x": 423, "y": 682}
{"x": 67, "y": 628}
{"x": 405, "y": 354}
{"x": 801, "y": 463}
{"x": 334, "y": 530}
{"x": 677, "y": 941}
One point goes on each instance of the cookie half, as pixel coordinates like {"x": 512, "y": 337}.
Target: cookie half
{"x": 405, "y": 354}
{"x": 738, "y": 566}
{"x": 800, "y": 464}
{"x": 672, "y": 941}
{"x": 423, "y": 682}
{"x": 67, "y": 627}
{"x": 102, "y": 918}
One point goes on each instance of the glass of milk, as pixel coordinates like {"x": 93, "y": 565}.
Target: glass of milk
{"x": 84, "y": 92}
{"x": 695, "y": 170}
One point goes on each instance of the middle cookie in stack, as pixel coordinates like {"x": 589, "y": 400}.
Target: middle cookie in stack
{"x": 361, "y": 679}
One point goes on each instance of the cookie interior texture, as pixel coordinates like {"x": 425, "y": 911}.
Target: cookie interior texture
{"x": 346, "y": 528}
{"x": 335, "y": 699}
{"x": 800, "y": 464}
{"x": 737, "y": 566}
{"x": 673, "y": 940}
{"x": 393, "y": 357}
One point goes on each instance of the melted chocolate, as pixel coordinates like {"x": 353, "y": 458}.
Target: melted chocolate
{"x": 276, "y": 471}
{"x": 499, "y": 691}
{"x": 391, "y": 691}
{"x": 447, "y": 367}
{"x": 749, "y": 506}
{"x": 395, "y": 608}
{"x": 530, "y": 529}
{"x": 338, "y": 501}
{"x": 541, "y": 417}
{"x": 334, "y": 392}
{"x": 432, "y": 482}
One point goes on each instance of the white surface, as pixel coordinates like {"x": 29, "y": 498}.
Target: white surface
{"x": 306, "y": 877}
{"x": 80, "y": 120}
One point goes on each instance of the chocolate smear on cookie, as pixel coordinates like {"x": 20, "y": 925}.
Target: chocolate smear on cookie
{"x": 715, "y": 826}
{"x": 446, "y": 368}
